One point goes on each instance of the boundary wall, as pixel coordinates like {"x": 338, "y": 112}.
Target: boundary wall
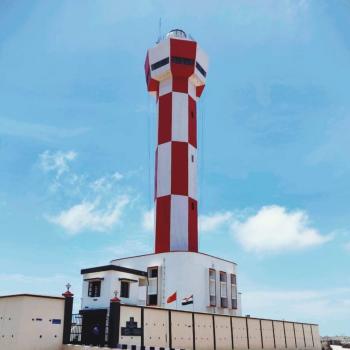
{"x": 164, "y": 328}
{"x": 127, "y": 347}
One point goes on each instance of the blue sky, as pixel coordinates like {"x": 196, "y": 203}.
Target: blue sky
{"x": 77, "y": 143}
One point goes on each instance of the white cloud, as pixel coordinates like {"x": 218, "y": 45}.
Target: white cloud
{"x": 148, "y": 220}
{"x": 271, "y": 229}
{"x": 57, "y": 162}
{"x": 91, "y": 216}
{"x": 106, "y": 183}
{"x": 214, "y": 221}
{"x": 274, "y": 229}
{"x": 99, "y": 203}
{"x": 117, "y": 176}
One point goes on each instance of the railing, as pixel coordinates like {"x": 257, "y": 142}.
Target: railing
{"x": 76, "y": 333}
{"x": 76, "y": 329}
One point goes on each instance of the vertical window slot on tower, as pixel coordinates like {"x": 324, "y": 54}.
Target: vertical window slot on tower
{"x": 212, "y": 287}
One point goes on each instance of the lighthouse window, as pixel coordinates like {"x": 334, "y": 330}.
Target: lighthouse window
{"x": 160, "y": 63}
{"x": 212, "y": 287}
{"x": 153, "y": 272}
{"x": 124, "y": 289}
{"x": 182, "y": 60}
{"x": 94, "y": 289}
{"x": 223, "y": 289}
{"x": 201, "y": 69}
{"x": 233, "y": 291}
{"x": 152, "y": 288}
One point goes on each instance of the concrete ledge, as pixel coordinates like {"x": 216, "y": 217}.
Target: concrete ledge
{"x": 121, "y": 346}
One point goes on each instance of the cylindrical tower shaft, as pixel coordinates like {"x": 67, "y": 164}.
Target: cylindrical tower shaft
{"x": 175, "y": 72}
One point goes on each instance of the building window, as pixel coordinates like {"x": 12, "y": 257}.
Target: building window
{"x": 152, "y": 288}
{"x": 212, "y": 287}
{"x": 223, "y": 289}
{"x": 124, "y": 289}
{"x": 94, "y": 289}
{"x": 233, "y": 291}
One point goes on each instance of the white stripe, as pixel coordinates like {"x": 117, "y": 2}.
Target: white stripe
{"x": 164, "y": 170}
{"x": 187, "y": 298}
{"x": 155, "y": 54}
{"x": 165, "y": 86}
{"x": 179, "y": 223}
{"x": 202, "y": 59}
{"x": 192, "y": 172}
{"x": 179, "y": 126}
{"x": 192, "y": 89}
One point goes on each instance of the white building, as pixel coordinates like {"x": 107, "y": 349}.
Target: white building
{"x": 151, "y": 279}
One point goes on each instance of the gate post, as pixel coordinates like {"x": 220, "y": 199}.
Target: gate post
{"x": 114, "y": 322}
{"x": 68, "y": 309}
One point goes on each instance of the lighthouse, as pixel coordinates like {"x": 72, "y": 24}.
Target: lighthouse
{"x": 176, "y": 297}
{"x": 176, "y": 70}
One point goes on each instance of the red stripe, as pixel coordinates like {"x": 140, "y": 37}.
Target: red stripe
{"x": 199, "y": 90}
{"x": 156, "y": 174}
{"x": 192, "y": 122}
{"x": 163, "y": 224}
{"x": 192, "y": 225}
{"x": 152, "y": 84}
{"x": 180, "y": 84}
{"x": 179, "y": 168}
{"x": 183, "y": 49}
{"x": 164, "y": 119}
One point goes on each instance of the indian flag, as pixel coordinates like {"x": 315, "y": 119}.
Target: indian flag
{"x": 188, "y": 300}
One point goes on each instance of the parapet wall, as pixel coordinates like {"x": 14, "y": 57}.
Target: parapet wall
{"x": 127, "y": 347}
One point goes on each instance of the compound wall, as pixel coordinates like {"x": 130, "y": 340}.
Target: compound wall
{"x": 200, "y": 331}
{"x": 31, "y": 322}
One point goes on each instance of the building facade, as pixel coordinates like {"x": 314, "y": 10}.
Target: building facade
{"x": 149, "y": 280}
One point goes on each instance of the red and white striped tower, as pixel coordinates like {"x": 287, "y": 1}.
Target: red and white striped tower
{"x": 175, "y": 73}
